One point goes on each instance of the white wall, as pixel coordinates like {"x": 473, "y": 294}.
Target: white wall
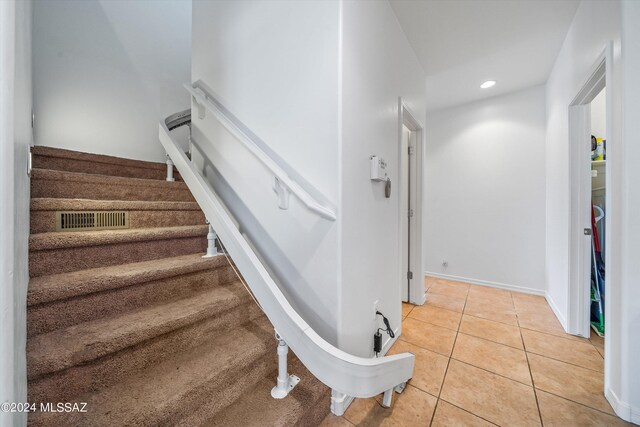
{"x": 629, "y": 372}
{"x": 599, "y": 115}
{"x": 324, "y": 100}
{"x": 15, "y": 123}
{"x": 275, "y": 66}
{"x": 485, "y": 191}
{"x": 106, "y": 72}
{"x": 378, "y": 67}
{"x": 7, "y": 311}
{"x": 595, "y": 23}
{"x": 23, "y": 141}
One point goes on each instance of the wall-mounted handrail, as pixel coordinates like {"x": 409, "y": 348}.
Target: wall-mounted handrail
{"x": 283, "y": 184}
{"x": 352, "y": 375}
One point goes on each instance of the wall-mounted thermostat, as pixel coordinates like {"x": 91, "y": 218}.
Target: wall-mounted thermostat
{"x": 378, "y": 169}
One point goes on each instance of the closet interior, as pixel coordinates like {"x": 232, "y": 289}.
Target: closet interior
{"x": 598, "y": 212}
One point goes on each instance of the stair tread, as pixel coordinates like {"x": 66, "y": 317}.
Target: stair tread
{"x": 56, "y": 287}
{"x": 88, "y": 341}
{"x": 56, "y": 175}
{"x": 160, "y": 390}
{"x": 40, "y": 150}
{"x": 54, "y": 204}
{"x": 258, "y": 408}
{"x": 70, "y": 239}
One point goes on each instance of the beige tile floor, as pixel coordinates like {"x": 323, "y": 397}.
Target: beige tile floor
{"x": 487, "y": 357}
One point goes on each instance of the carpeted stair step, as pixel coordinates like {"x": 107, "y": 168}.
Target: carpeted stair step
{"x": 133, "y": 321}
{"x": 211, "y": 375}
{"x": 62, "y": 300}
{"x": 307, "y": 405}
{"x": 74, "y": 161}
{"x": 62, "y": 252}
{"x": 142, "y": 214}
{"x": 92, "y": 355}
{"x": 74, "y": 185}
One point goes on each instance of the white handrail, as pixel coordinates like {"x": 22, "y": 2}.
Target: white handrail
{"x": 208, "y": 102}
{"x": 348, "y": 374}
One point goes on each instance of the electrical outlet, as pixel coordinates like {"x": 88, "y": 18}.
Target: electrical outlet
{"x": 375, "y": 309}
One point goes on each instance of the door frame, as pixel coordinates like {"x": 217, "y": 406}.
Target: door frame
{"x": 579, "y": 307}
{"x": 415, "y": 293}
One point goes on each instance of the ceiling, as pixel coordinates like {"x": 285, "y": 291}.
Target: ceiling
{"x": 462, "y": 43}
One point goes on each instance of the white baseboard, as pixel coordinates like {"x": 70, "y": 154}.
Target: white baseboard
{"x": 622, "y": 409}
{"x": 487, "y": 283}
{"x": 556, "y": 311}
{"x": 562, "y": 319}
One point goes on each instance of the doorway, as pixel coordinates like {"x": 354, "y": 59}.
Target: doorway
{"x": 589, "y": 204}
{"x": 583, "y": 217}
{"x": 410, "y": 205}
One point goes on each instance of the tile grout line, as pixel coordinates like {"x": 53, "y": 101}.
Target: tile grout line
{"x": 440, "y": 326}
{"x": 435, "y": 408}
{"x": 492, "y": 341}
{"x": 533, "y": 384}
{"x": 445, "y": 295}
{"x": 564, "y": 361}
{"x": 466, "y": 363}
{"x": 581, "y": 404}
{"x": 520, "y": 328}
{"x": 527, "y": 353}
{"x": 581, "y": 340}
{"x": 487, "y": 370}
{"x": 493, "y": 373}
{"x": 444, "y": 377}
{"x": 469, "y": 412}
{"x": 591, "y": 342}
{"x": 422, "y": 390}
{"x": 425, "y": 348}
{"x": 492, "y": 320}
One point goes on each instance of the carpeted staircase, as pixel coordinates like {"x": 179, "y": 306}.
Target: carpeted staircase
{"x": 134, "y": 321}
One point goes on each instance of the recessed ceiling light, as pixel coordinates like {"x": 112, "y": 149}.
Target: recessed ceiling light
{"x": 487, "y": 84}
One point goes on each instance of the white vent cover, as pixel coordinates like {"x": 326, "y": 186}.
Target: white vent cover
{"x": 91, "y": 220}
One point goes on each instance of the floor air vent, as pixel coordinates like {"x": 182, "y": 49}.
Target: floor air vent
{"x": 98, "y": 220}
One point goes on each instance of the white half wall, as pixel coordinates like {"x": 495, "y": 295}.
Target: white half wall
{"x": 324, "y": 100}
{"x": 105, "y": 72}
{"x": 275, "y": 66}
{"x": 378, "y": 66}
{"x": 485, "y": 191}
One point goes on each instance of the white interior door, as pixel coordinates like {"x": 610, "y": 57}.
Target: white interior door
{"x": 580, "y": 221}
